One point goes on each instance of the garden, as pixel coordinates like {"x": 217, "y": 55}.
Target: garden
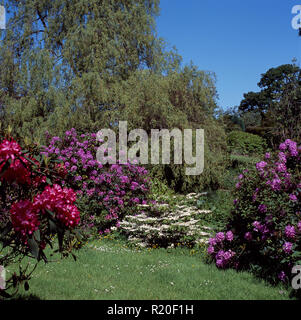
{"x": 75, "y": 228}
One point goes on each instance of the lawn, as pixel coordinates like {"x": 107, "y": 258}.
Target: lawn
{"x": 108, "y": 269}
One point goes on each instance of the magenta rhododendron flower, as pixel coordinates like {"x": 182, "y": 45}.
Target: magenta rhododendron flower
{"x": 282, "y": 157}
{"x": 60, "y": 201}
{"x": 262, "y": 208}
{"x": 290, "y": 231}
{"x": 293, "y": 197}
{"x": 281, "y": 167}
{"x": 220, "y": 263}
{"x": 212, "y": 241}
{"x": 248, "y": 236}
{"x": 220, "y": 236}
{"x": 282, "y": 146}
{"x": 282, "y": 276}
{"x": 261, "y": 165}
{"x": 9, "y": 149}
{"x": 18, "y": 169}
{"x": 229, "y": 236}
{"x": 275, "y": 184}
{"x": 257, "y": 226}
{"x": 210, "y": 250}
{"x": 24, "y": 217}
{"x": 222, "y": 258}
{"x": 287, "y": 247}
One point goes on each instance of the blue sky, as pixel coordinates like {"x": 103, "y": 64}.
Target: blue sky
{"x": 237, "y": 39}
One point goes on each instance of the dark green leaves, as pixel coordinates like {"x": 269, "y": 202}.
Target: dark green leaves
{"x": 34, "y": 247}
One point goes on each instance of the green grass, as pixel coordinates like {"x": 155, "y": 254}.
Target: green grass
{"x": 108, "y": 270}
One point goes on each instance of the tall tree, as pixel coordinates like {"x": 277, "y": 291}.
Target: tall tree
{"x": 278, "y": 103}
{"x": 61, "y": 58}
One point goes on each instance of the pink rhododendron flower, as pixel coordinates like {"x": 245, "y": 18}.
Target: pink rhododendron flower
{"x": 60, "y": 201}
{"x": 24, "y": 217}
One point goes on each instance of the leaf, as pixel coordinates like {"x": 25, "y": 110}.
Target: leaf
{"x": 60, "y": 236}
{"x": 52, "y": 226}
{"x": 49, "y": 181}
{"x": 34, "y": 248}
{"x": 78, "y": 235}
{"x": 32, "y": 162}
{"x": 296, "y": 254}
{"x": 37, "y": 235}
{"x": 57, "y": 161}
{"x": 5, "y": 167}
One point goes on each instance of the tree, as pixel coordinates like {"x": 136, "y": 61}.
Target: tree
{"x": 278, "y": 104}
{"x": 273, "y": 83}
{"x": 61, "y": 58}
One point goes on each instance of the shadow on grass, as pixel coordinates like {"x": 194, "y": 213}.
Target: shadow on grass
{"x": 23, "y": 297}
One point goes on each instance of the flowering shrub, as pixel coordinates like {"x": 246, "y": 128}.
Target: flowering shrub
{"x": 33, "y": 207}
{"x": 264, "y": 230}
{"x": 167, "y": 226}
{"x": 106, "y": 193}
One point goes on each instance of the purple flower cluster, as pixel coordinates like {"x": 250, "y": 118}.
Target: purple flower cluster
{"x": 291, "y": 146}
{"x": 260, "y": 166}
{"x": 287, "y": 247}
{"x": 116, "y": 188}
{"x": 262, "y": 208}
{"x": 217, "y": 250}
{"x": 290, "y": 232}
{"x": 223, "y": 258}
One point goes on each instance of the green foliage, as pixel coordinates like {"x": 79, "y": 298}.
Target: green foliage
{"x": 233, "y": 120}
{"x": 66, "y": 59}
{"x": 159, "y": 189}
{"x": 215, "y": 163}
{"x": 244, "y": 143}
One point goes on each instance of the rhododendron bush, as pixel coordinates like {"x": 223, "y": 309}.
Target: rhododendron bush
{"x": 34, "y": 207}
{"x": 106, "y": 193}
{"x": 264, "y": 230}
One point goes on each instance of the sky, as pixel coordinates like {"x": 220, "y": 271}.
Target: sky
{"x": 236, "y": 39}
